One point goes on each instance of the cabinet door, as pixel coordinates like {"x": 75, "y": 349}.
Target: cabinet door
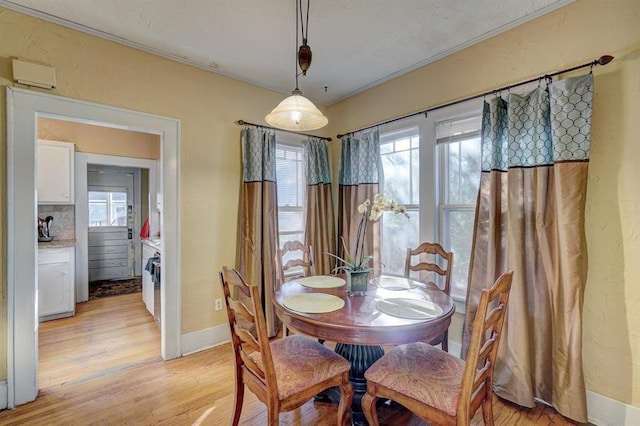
{"x": 55, "y": 286}
{"x": 55, "y": 172}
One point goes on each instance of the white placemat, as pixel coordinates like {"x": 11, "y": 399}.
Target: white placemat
{"x": 321, "y": 281}
{"x": 394, "y": 283}
{"x": 313, "y": 303}
{"x": 409, "y": 308}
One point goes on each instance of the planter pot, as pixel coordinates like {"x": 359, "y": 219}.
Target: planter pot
{"x": 357, "y": 282}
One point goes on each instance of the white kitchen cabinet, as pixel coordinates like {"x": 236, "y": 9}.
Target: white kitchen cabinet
{"x": 55, "y": 172}
{"x": 56, "y": 283}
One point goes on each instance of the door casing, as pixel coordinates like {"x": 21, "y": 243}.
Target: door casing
{"x": 23, "y": 109}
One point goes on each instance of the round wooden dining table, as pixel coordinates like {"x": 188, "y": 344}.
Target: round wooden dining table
{"x": 360, "y": 327}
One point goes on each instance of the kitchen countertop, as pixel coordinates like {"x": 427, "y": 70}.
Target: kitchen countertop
{"x": 56, "y": 244}
{"x": 155, "y": 243}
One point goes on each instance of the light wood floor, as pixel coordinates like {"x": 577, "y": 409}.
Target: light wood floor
{"x": 102, "y": 367}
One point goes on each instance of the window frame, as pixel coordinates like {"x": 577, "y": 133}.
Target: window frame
{"x": 430, "y": 224}
{"x": 290, "y": 140}
{"x": 406, "y": 131}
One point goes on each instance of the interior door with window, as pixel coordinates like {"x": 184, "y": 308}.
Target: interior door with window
{"x": 111, "y": 224}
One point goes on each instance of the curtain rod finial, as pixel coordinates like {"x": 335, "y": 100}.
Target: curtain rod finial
{"x": 604, "y": 60}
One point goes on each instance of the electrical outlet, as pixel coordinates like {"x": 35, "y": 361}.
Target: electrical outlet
{"x": 218, "y": 304}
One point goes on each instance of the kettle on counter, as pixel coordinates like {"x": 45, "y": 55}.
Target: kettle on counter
{"x": 44, "y": 229}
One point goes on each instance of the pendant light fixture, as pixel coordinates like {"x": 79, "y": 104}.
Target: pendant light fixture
{"x": 296, "y": 112}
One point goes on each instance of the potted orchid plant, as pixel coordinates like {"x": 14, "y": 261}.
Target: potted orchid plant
{"x": 355, "y": 263}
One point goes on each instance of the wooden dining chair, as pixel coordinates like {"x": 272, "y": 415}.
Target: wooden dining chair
{"x": 432, "y": 257}
{"x": 294, "y": 255}
{"x": 284, "y": 373}
{"x": 439, "y": 387}
{"x": 301, "y": 264}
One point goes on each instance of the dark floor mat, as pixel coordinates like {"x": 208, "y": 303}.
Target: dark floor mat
{"x": 107, "y": 288}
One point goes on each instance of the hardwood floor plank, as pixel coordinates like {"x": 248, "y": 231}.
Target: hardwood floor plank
{"x": 103, "y": 367}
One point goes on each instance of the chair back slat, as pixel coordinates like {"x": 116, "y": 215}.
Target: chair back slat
{"x": 483, "y": 347}
{"x": 494, "y": 316}
{"x": 252, "y": 366}
{"x": 248, "y": 336}
{"x": 292, "y": 263}
{"x": 431, "y": 257}
{"x": 485, "y": 352}
{"x": 241, "y": 309}
{"x": 248, "y": 341}
{"x": 429, "y": 267}
{"x": 303, "y": 259}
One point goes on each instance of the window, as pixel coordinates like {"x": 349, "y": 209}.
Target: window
{"x": 107, "y": 208}
{"x": 291, "y": 182}
{"x": 400, "y": 155}
{"x": 432, "y": 166}
{"x": 459, "y": 176}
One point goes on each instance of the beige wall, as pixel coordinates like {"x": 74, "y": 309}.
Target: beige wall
{"x": 207, "y": 104}
{"x": 100, "y": 71}
{"x": 101, "y": 140}
{"x": 572, "y": 35}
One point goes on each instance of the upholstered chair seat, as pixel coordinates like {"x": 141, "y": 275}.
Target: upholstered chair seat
{"x": 421, "y": 372}
{"x": 301, "y": 362}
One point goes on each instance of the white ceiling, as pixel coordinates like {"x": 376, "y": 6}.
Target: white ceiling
{"x": 356, "y": 44}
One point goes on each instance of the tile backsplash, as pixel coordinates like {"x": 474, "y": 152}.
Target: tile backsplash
{"x": 64, "y": 220}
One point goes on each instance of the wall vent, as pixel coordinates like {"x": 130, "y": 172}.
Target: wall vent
{"x": 32, "y": 74}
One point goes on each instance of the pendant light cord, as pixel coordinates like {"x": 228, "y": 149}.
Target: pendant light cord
{"x": 295, "y": 62}
{"x": 305, "y": 36}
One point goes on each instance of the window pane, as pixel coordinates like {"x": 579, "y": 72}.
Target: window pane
{"x": 98, "y": 196}
{"x": 97, "y": 213}
{"x": 459, "y": 160}
{"x": 400, "y": 158}
{"x": 119, "y": 196}
{"x": 107, "y": 208}
{"x": 458, "y": 233}
{"x": 291, "y": 221}
{"x": 397, "y": 176}
{"x": 398, "y": 233}
{"x": 118, "y": 214}
{"x": 291, "y": 184}
{"x": 463, "y": 169}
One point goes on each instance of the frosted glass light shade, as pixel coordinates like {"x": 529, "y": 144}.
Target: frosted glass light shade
{"x": 296, "y": 113}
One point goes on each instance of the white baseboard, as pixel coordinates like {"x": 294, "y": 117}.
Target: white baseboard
{"x": 605, "y": 411}
{"x": 205, "y": 339}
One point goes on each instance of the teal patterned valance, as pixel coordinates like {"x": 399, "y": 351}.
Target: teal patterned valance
{"x": 571, "y": 108}
{"x": 258, "y": 155}
{"x": 317, "y": 161}
{"x": 360, "y": 159}
{"x": 544, "y": 126}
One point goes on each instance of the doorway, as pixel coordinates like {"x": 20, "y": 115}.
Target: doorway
{"x": 113, "y": 210}
{"x": 23, "y": 109}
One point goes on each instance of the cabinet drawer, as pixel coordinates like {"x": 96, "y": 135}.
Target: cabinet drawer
{"x": 54, "y": 255}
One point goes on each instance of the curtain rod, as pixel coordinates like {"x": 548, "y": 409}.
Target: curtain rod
{"x": 242, "y": 123}
{"x": 603, "y": 60}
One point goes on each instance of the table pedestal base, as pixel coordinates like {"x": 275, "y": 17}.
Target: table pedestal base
{"x": 361, "y": 357}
